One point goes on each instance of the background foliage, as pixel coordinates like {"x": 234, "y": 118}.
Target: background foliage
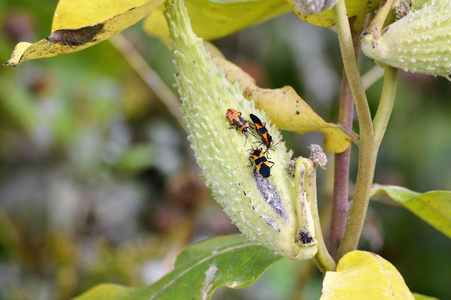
{"x": 98, "y": 183}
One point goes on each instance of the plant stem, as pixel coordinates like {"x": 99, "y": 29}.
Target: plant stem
{"x": 365, "y": 174}
{"x": 370, "y": 137}
{"x": 386, "y": 104}
{"x": 306, "y": 191}
{"x": 150, "y": 77}
{"x": 352, "y": 69}
{"x": 323, "y": 259}
{"x": 375, "y": 27}
{"x": 341, "y": 174}
{"x": 367, "y": 163}
{"x": 341, "y": 167}
{"x": 368, "y": 146}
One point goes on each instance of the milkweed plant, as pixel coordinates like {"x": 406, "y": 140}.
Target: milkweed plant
{"x": 234, "y": 124}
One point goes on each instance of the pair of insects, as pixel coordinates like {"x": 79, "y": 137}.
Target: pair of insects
{"x": 235, "y": 118}
{"x": 260, "y": 161}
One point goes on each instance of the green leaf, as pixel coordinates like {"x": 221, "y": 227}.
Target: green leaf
{"x": 423, "y": 297}
{"x": 214, "y": 19}
{"x": 232, "y": 261}
{"x": 364, "y": 275}
{"x": 81, "y": 24}
{"x": 434, "y": 207}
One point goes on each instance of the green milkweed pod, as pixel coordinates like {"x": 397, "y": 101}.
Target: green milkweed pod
{"x": 265, "y": 209}
{"x": 420, "y": 42}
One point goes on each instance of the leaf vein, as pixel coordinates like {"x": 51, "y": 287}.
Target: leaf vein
{"x": 228, "y": 249}
{"x": 385, "y": 274}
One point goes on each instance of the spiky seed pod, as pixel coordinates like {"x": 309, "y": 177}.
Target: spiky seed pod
{"x": 262, "y": 208}
{"x": 420, "y": 42}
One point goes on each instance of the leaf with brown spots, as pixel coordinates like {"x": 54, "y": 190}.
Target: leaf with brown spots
{"x": 80, "y": 24}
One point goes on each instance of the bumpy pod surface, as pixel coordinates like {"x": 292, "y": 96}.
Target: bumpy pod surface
{"x": 263, "y": 209}
{"x": 420, "y": 42}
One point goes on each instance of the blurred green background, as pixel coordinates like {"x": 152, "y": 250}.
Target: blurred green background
{"x": 98, "y": 182}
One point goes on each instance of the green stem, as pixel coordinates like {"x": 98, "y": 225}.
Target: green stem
{"x": 386, "y": 104}
{"x": 352, "y": 69}
{"x": 341, "y": 167}
{"x": 365, "y": 174}
{"x": 370, "y": 137}
{"x": 375, "y": 27}
{"x": 368, "y": 146}
{"x": 305, "y": 190}
{"x": 323, "y": 258}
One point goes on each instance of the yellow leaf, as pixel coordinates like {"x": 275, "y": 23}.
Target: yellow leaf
{"x": 107, "y": 291}
{"x": 284, "y": 106}
{"x": 155, "y": 25}
{"x": 214, "y": 19}
{"x": 364, "y": 275}
{"x": 326, "y": 18}
{"x": 80, "y": 24}
{"x": 77, "y": 14}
